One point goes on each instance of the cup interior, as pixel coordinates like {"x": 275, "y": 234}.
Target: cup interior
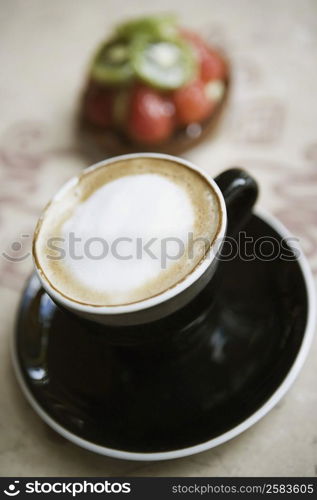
{"x": 152, "y": 301}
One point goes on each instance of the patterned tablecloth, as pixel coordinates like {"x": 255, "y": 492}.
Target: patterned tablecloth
{"x": 269, "y": 128}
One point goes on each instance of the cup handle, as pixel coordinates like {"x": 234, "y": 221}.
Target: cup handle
{"x": 240, "y": 192}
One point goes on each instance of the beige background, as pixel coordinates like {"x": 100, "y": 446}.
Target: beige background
{"x": 269, "y": 127}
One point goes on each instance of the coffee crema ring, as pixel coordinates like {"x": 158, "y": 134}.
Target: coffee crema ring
{"x": 129, "y": 200}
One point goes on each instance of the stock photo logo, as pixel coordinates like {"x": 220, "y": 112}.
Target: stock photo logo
{"x": 18, "y": 250}
{"x": 265, "y": 248}
{"x": 125, "y": 248}
{"x": 12, "y": 490}
{"x": 70, "y": 488}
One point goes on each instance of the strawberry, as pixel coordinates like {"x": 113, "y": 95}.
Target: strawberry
{"x": 151, "y": 116}
{"x": 192, "y": 103}
{"x": 98, "y": 105}
{"x": 212, "y": 66}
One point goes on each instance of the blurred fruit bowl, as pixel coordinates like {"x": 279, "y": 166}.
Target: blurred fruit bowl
{"x": 152, "y": 86}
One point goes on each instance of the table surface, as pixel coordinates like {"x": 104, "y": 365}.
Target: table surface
{"x": 269, "y": 128}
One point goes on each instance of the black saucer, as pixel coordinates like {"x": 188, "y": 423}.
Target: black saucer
{"x": 138, "y": 403}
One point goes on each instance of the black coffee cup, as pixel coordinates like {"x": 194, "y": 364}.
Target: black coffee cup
{"x": 236, "y": 192}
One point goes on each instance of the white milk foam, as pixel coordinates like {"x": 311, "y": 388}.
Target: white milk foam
{"x": 114, "y": 220}
{"x": 141, "y": 206}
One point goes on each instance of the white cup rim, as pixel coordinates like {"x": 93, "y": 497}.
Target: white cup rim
{"x": 153, "y": 301}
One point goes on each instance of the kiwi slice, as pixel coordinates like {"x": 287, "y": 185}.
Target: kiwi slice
{"x": 112, "y": 63}
{"x": 164, "y": 64}
{"x": 162, "y": 27}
